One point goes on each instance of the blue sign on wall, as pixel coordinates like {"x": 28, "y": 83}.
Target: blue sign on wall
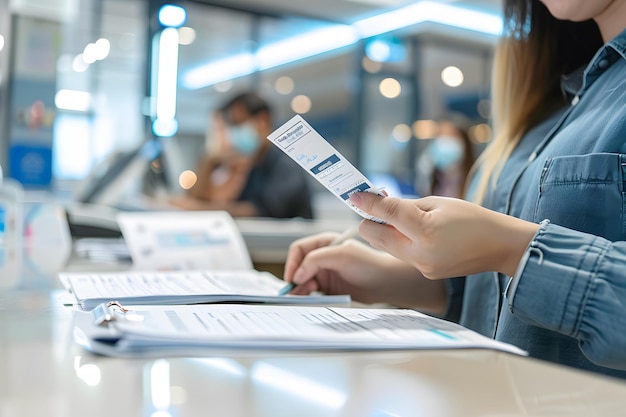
{"x": 32, "y": 84}
{"x": 31, "y": 164}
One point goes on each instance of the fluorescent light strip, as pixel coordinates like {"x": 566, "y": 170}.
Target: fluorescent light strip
{"x": 221, "y": 70}
{"x": 270, "y": 56}
{"x": 463, "y": 18}
{"x": 337, "y": 36}
{"x": 429, "y": 11}
{"x": 165, "y": 123}
{"x": 305, "y": 45}
{"x": 167, "y": 76}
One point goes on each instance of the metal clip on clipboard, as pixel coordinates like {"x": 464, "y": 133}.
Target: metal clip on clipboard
{"x": 103, "y": 314}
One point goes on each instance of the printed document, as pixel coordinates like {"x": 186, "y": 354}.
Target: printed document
{"x": 184, "y": 240}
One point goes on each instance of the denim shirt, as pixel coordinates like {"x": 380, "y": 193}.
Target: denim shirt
{"x": 571, "y": 169}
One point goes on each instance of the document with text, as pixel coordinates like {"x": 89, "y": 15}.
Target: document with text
{"x": 187, "y": 240}
{"x": 192, "y": 330}
{"x": 321, "y": 160}
{"x": 185, "y": 287}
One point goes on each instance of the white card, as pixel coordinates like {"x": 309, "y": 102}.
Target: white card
{"x": 319, "y": 158}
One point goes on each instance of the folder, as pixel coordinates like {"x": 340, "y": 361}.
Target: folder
{"x": 88, "y": 290}
{"x": 199, "y": 330}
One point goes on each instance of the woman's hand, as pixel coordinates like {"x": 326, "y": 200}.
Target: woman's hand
{"x": 368, "y": 275}
{"x": 445, "y": 237}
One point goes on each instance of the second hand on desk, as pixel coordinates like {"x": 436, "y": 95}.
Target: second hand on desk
{"x": 345, "y": 235}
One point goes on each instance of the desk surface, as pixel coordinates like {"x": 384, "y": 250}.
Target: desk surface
{"x": 44, "y": 373}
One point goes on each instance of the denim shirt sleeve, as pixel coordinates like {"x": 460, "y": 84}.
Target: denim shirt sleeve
{"x": 575, "y": 283}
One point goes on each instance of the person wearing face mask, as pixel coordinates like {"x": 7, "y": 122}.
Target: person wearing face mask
{"x": 443, "y": 166}
{"x": 243, "y": 173}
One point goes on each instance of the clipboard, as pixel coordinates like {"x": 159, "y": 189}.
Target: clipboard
{"x": 200, "y": 330}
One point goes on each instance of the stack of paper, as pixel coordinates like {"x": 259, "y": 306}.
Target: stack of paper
{"x": 196, "y": 329}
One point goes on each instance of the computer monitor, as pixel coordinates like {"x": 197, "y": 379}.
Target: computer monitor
{"x": 106, "y": 186}
{"x": 105, "y": 192}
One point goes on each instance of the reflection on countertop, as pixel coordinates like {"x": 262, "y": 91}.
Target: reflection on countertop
{"x": 40, "y": 361}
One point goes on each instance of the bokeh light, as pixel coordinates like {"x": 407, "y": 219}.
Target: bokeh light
{"x": 284, "y": 85}
{"x": 186, "y": 35}
{"x": 172, "y": 16}
{"x": 425, "y": 129}
{"x": 187, "y": 179}
{"x": 401, "y": 132}
{"x": 452, "y": 76}
{"x": 480, "y": 133}
{"x": 371, "y": 66}
{"x": 390, "y": 88}
{"x": 301, "y": 104}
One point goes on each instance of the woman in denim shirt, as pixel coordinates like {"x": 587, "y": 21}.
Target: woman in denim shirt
{"x": 566, "y": 163}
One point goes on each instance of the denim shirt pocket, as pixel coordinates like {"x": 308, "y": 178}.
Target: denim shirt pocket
{"x": 584, "y": 192}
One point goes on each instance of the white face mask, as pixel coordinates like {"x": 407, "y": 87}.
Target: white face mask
{"x": 244, "y": 138}
{"x": 445, "y": 151}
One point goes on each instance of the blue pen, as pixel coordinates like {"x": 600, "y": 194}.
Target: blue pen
{"x": 345, "y": 235}
{"x": 287, "y": 289}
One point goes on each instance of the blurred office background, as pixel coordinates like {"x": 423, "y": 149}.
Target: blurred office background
{"x": 82, "y": 80}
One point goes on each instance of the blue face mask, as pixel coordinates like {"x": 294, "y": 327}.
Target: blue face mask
{"x": 244, "y": 138}
{"x": 445, "y": 151}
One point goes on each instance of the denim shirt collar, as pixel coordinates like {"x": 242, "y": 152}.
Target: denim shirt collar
{"x": 578, "y": 81}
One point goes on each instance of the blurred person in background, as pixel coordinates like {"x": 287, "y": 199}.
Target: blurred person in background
{"x": 243, "y": 173}
{"x": 443, "y": 166}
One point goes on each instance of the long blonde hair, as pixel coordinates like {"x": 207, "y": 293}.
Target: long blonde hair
{"x": 534, "y": 52}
